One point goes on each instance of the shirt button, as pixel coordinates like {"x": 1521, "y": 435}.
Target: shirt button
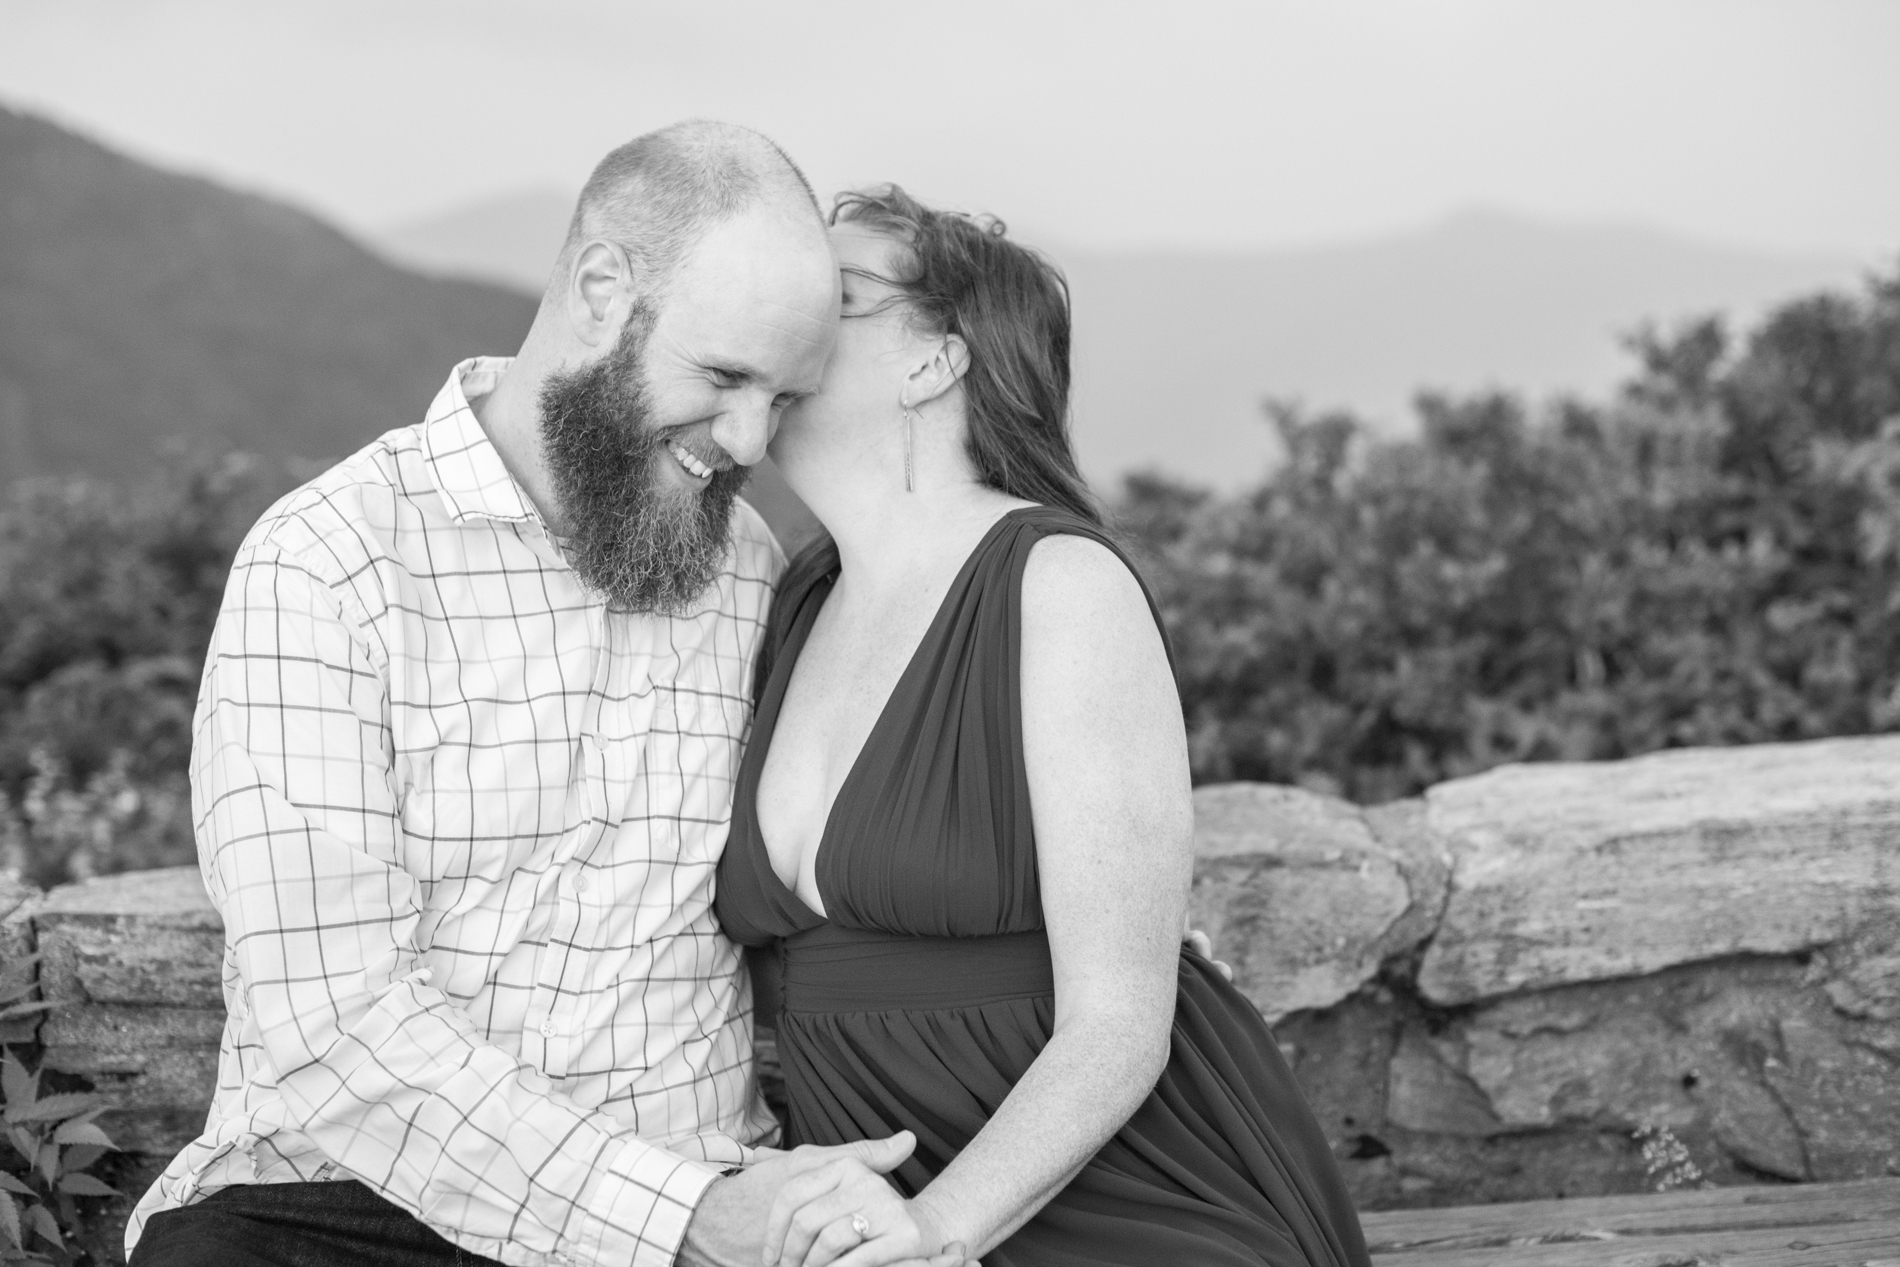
{"x": 547, "y": 1029}
{"x": 599, "y": 741}
{"x": 582, "y": 882}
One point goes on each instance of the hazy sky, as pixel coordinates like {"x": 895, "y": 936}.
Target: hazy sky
{"x": 1092, "y": 123}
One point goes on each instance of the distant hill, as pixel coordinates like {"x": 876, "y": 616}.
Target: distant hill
{"x": 511, "y": 239}
{"x": 140, "y": 307}
{"x": 142, "y": 310}
{"x": 1174, "y": 352}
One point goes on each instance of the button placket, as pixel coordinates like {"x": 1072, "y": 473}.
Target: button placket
{"x": 667, "y": 778}
{"x": 555, "y": 994}
{"x": 594, "y": 720}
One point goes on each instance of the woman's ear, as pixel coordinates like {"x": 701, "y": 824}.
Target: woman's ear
{"x": 940, "y": 373}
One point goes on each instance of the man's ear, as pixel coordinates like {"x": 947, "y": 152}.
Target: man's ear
{"x": 598, "y": 292}
{"x": 941, "y": 372}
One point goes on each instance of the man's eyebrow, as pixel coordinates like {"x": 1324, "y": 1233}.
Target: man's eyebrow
{"x": 744, "y": 372}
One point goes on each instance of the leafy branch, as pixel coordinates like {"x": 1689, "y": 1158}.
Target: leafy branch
{"x": 54, "y": 1134}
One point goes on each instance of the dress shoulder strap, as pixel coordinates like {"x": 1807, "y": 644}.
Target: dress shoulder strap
{"x": 814, "y": 566}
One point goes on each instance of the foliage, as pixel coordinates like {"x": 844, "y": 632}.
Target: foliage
{"x": 112, "y": 823}
{"x": 1713, "y": 557}
{"x": 232, "y": 320}
{"x": 54, "y": 1140}
{"x": 106, "y": 606}
{"x": 18, "y": 981}
{"x": 1666, "y": 1159}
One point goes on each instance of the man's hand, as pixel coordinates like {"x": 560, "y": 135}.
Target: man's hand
{"x": 728, "y": 1225}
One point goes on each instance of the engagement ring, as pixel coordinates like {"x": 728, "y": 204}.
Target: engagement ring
{"x": 861, "y": 1225}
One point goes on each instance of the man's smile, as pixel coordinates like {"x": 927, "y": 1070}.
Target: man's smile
{"x": 688, "y": 462}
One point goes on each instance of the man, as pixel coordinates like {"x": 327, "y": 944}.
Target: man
{"x": 463, "y": 768}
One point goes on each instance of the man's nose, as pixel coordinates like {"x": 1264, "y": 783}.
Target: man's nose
{"x": 745, "y": 429}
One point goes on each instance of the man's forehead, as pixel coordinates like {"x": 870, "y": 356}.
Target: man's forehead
{"x": 786, "y": 278}
{"x": 762, "y": 240}
{"x": 747, "y": 313}
{"x": 794, "y": 270}
{"x": 751, "y": 329}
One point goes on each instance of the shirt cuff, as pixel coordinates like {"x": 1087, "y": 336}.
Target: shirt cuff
{"x": 636, "y": 1207}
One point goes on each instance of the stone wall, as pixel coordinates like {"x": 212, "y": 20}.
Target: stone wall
{"x": 1486, "y": 992}
{"x": 131, "y": 963}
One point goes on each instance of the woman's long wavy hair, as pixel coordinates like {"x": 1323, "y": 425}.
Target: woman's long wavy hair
{"x": 960, "y": 275}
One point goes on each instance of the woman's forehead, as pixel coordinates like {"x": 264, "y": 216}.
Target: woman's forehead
{"x": 862, "y": 247}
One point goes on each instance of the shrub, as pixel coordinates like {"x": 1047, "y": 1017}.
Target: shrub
{"x": 1713, "y": 557}
{"x": 53, "y": 1138}
{"x": 107, "y": 599}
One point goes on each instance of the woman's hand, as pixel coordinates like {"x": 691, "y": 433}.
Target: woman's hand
{"x": 847, "y": 1214}
{"x": 1203, "y": 945}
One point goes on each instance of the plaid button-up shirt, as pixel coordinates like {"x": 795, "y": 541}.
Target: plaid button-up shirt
{"x": 461, "y": 822}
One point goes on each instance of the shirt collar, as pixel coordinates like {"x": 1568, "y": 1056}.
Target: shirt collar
{"x": 462, "y": 460}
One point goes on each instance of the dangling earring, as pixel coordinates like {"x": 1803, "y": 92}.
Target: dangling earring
{"x": 903, "y": 402}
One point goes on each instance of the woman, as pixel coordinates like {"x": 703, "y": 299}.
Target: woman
{"x": 963, "y": 820}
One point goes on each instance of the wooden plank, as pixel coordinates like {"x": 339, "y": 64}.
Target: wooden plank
{"x": 1799, "y": 1225}
{"x": 1857, "y": 1245}
{"x": 1764, "y": 1205}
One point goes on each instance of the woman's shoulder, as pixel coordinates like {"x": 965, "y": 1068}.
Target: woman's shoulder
{"x": 1073, "y": 573}
{"x": 1079, "y": 586}
{"x": 1093, "y": 651}
{"x": 1065, "y": 555}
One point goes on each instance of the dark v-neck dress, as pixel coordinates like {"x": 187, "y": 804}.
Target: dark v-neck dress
{"x": 926, "y": 994}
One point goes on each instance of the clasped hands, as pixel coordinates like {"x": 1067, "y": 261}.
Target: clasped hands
{"x": 819, "y": 1207}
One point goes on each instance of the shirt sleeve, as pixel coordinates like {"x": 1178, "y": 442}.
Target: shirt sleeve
{"x": 300, "y": 838}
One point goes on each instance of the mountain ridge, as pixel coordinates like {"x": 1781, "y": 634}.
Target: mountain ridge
{"x": 1474, "y": 302}
{"x": 142, "y": 309}
{"x": 1175, "y": 349}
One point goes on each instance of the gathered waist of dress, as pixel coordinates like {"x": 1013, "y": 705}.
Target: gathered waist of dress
{"x": 834, "y": 969}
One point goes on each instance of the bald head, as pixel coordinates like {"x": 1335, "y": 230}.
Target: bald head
{"x": 659, "y": 194}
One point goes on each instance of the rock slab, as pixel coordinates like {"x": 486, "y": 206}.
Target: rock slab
{"x": 146, "y": 938}
{"x": 1307, "y": 896}
{"x": 1497, "y": 992}
{"x": 1564, "y": 873}
{"x": 132, "y": 964}
{"x": 18, "y": 901}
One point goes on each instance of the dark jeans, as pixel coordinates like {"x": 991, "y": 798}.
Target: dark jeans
{"x": 335, "y": 1224}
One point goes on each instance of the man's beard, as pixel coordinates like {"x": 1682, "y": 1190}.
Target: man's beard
{"x": 646, "y": 546}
